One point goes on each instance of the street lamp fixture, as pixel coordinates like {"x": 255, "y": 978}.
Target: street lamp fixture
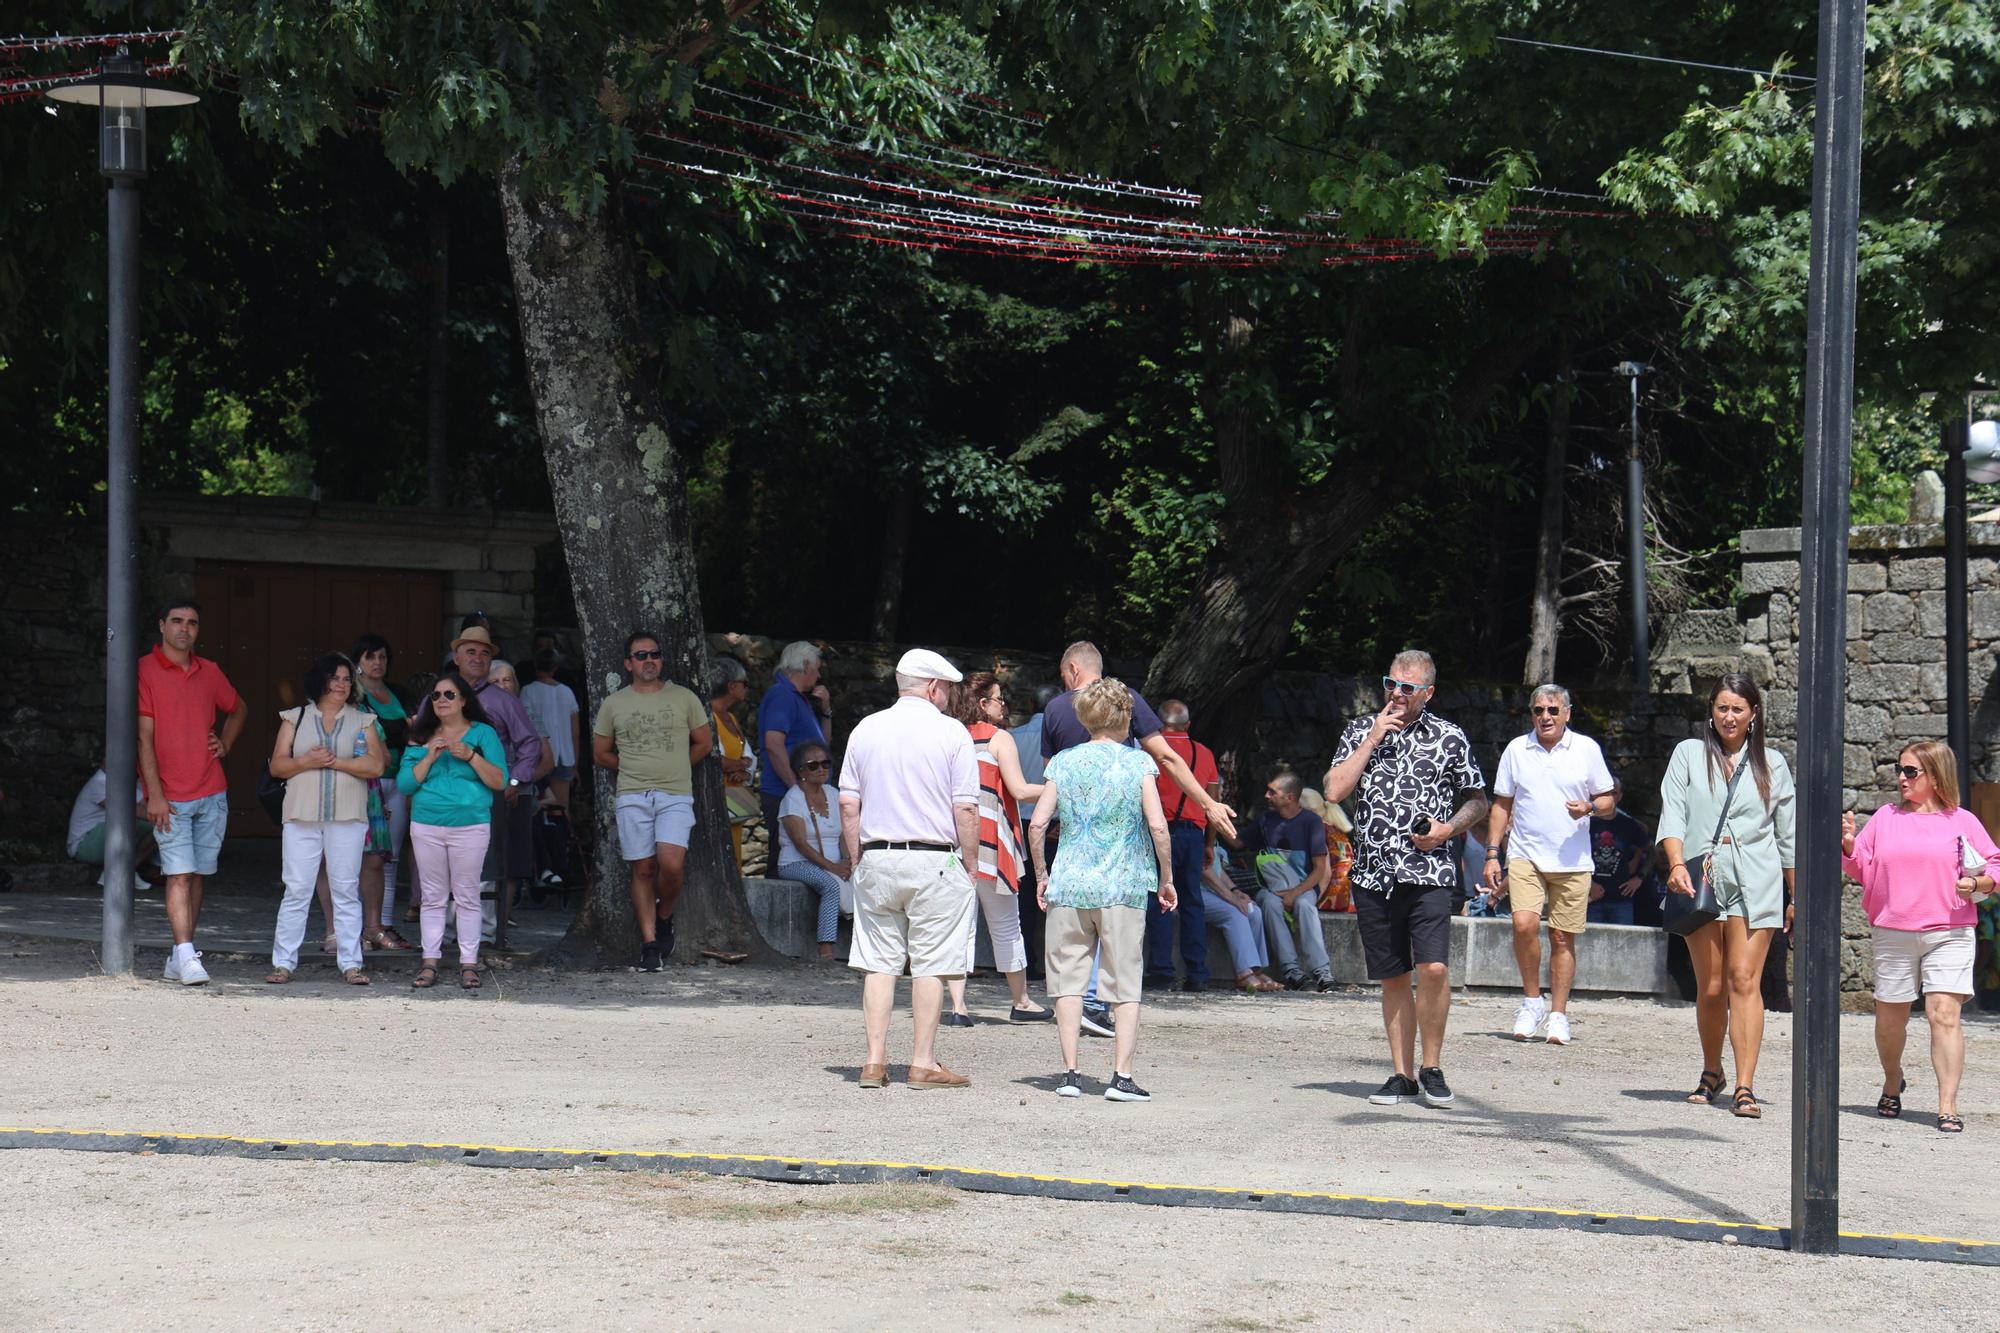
{"x": 122, "y": 93}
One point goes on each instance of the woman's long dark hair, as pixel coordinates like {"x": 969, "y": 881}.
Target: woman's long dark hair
{"x": 426, "y": 723}
{"x": 1753, "y": 738}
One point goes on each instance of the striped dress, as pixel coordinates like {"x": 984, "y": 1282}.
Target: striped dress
{"x": 999, "y": 816}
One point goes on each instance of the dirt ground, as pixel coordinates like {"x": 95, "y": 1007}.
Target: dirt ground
{"x": 1250, "y": 1091}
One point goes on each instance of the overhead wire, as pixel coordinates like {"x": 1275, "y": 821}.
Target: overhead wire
{"x": 1658, "y": 60}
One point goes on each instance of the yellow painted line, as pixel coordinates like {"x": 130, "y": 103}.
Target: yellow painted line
{"x": 669, "y": 1155}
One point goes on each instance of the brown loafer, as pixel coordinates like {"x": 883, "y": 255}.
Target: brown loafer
{"x": 874, "y": 1076}
{"x": 937, "y": 1078}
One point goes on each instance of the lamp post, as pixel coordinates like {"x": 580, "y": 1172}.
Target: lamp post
{"x": 122, "y": 94}
{"x": 1635, "y": 535}
{"x": 1972, "y": 453}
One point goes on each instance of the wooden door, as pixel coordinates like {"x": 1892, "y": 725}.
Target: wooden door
{"x": 264, "y": 624}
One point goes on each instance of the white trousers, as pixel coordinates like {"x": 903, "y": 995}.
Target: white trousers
{"x": 1003, "y": 927}
{"x": 305, "y": 845}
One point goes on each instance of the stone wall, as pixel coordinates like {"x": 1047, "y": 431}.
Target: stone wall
{"x": 1895, "y": 662}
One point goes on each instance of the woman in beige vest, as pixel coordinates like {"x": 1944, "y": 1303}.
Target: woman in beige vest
{"x": 325, "y": 754}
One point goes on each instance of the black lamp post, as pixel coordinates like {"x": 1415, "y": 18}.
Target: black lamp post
{"x": 1635, "y": 536}
{"x": 122, "y": 94}
{"x": 1972, "y": 453}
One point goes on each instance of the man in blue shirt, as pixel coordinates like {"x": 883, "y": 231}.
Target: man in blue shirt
{"x": 1288, "y": 845}
{"x": 791, "y": 713}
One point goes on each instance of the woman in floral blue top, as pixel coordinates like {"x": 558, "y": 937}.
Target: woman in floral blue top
{"x": 1113, "y": 853}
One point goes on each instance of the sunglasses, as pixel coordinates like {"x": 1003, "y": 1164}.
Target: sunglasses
{"x": 648, "y": 655}
{"x": 1390, "y": 685}
{"x": 815, "y": 764}
{"x": 1909, "y": 772}
{"x": 1546, "y": 710}
{"x": 438, "y": 695}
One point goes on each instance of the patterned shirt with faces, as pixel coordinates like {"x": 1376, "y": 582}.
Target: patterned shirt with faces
{"x": 1415, "y": 774}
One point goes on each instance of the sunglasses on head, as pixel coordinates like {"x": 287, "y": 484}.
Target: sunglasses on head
{"x": 647, "y": 655}
{"x": 1909, "y": 772}
{"x": 1546, "y": 710}
{"x": 437, "y": 695}
{"x": 1390, "y": 685}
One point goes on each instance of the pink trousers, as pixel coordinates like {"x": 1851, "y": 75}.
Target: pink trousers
{"x": 448, "y": 865}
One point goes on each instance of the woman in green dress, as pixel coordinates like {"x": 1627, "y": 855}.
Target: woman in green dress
{"x": 1750, "y": 865}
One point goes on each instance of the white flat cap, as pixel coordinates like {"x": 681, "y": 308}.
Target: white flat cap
{"x": 927, "y": 665}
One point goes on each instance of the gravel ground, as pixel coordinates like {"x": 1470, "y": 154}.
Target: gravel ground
{"x": 1250, "y": 1091}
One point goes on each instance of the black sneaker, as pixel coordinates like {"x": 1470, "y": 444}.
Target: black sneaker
{"x": 1098, "y": 1024}
{"x": 667, "y": 937}
{"x": 1070, "y": 1085}
{"x": 1397, "y": 1089}
{"x": 649, "y": 957}
{"x": 1436, "y": 1092}
{"x": 1193, "y": 987}
{"x": 1323, "y": 982}
{"x": 1295, "y": 981}
{"x": 1123, "y": 1089}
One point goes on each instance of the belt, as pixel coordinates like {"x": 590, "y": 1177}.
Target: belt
{"x": 880, "y": 846}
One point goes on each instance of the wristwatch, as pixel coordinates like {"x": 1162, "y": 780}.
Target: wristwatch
{"x": 513, "y": 783}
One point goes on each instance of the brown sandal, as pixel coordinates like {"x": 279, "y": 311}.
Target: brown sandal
{"x": 468, "y": 977}
{"x": 386, "y": 938}
{"x": 427, "y": 977}
{"x": 354, "y": 976}
{"x": 277, "y": 976}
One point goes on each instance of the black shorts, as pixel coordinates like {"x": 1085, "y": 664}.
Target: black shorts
{"x": 1402, "y": 929}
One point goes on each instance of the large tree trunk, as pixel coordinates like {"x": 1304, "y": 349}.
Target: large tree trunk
{"x": 621, "y": 507}
{"x": 895, "y": 555}
{"x": 437, "y": 336}
{"x": 1545, "y": 608}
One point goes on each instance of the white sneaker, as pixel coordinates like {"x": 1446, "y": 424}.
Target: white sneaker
{"x": 172, "y": 971}
{"x": 1528, "y": 1018}
{"x": 1558, "y": 1029}
{"x": 193, "y": 973}
{"x": 139, "y": 884}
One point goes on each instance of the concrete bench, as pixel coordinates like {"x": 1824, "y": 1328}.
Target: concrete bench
{"x": 1628, "y": 960}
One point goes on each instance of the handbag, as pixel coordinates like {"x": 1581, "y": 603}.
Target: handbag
{"x": 270, "y": 790}
{"x": 1682, "y": 915}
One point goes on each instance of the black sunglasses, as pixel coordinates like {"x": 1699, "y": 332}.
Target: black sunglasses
{"x": 1909, "y": 771}
{"x": 443, "y": 694}
{"x": 816, "y": 763}
{"x": 1546, "y": 710}
{"x": 647, "y": 655}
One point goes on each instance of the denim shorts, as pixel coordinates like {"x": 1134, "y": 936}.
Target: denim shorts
{"x": 649, "y": 818}
{"x": 194, "y": 835}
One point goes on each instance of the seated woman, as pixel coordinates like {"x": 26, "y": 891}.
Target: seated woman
{"x": 1242, "y": 922}
{"x": 809, "y": 839}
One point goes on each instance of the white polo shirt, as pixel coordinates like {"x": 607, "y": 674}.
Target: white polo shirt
{"x": 1541, "y": 780}
{"x": 907, "y": 766}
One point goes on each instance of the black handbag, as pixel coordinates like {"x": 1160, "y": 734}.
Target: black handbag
{"x": 1683, "y": 915}
{"x": 270, "y": 790}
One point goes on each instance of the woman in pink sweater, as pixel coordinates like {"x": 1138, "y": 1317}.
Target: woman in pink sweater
{"x": 1915, "y": 861}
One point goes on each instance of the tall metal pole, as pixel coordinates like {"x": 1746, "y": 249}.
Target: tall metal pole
{"x": 1635, "y": 545}
{"x": 1829, "y": 423}
{"x": 121, "y": 612}
{"x": 1957, "y": 687}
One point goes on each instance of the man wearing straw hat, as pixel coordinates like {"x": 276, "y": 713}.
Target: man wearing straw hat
{"x": 472, "y": 652}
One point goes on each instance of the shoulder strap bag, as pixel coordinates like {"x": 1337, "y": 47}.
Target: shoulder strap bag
{"x": 1681, "y": 914}
{"x": 270, "y": 790}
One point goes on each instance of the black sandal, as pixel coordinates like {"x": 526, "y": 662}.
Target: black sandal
{"x": 1950, "y": 1124}
{"x": 1891, "y": 1107}
{"x": 1706, "y": 1091}
{"x": 1744, "y": 1104}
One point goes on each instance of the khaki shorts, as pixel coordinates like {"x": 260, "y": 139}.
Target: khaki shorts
{"x": 1941, "y": 960}
{"x": 1564, "y": 893}
{"x": 1115, "y": 936}
{"x": 914, "y": 908}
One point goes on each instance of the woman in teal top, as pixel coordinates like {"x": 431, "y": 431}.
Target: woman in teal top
{"x": 452, "y": 766}
{"x": 1114, "y": 852}
{"x": 1750, "y": 865}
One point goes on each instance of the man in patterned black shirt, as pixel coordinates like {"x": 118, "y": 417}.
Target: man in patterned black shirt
{"x": 1419, "y": 788}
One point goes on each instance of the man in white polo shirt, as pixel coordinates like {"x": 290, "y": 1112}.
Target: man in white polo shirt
{"x": 1550, "y": 783}
{"x": 909, "y": 816}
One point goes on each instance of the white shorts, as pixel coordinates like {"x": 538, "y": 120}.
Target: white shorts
{"x": 1941, "y": 958}
{"x": 911, "y": 907}
{"x": 649, "y": 818}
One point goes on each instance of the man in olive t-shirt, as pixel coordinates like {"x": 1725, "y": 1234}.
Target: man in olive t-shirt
{"x": 651, "y": 734}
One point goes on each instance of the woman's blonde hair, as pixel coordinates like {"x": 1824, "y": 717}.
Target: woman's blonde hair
{"x": 1940, "y": 765}
{"x": 1104, "y": 705}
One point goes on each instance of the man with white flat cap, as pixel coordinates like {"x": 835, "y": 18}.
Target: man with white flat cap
{"x": 909, "y": 815}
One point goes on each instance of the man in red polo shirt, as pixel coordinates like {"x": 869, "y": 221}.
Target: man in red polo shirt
{"x": 180, "y": 763}
{"x": 1187, "y": 829}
